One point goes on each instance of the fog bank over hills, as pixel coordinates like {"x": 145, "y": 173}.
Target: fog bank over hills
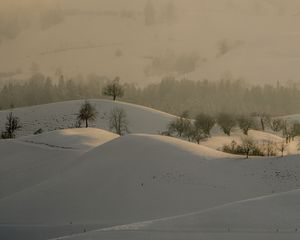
{"x": 143, "y": 41}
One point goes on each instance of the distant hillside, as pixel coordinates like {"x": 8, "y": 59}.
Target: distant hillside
{"x": 254, "y": 40}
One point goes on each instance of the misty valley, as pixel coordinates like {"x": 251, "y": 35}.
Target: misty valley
{"x": 149, "y": 119}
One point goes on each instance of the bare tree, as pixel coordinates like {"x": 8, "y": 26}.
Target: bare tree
{"x": 264, "y": 120}
{"x": 87, "y": 112}
{"x": 113, "y": 89}
{"x": 180, "y": 125}
{"x": 294, "y": 130}
{"x": 205, "y": 123}
{"x": 247, "y": 145}
{"x": 226, "y": 121}
{"x": 118, "y": 121}
{"x": 245, "y": 123}
{"x": 11, "y": 126}
{"x": 269, "y": 148}
{"x": 276, "y": 124}
{"x": 282, "y": 146}
{"x": 198, "y": 134}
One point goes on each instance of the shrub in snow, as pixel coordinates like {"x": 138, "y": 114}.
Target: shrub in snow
{"x": 11, "y": 126}
{"x": 87, "y": 112}
{"x": 247, "y": 147}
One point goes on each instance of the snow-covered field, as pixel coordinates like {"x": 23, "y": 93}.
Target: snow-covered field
{"x": 64, "y": 114}
{"x": 218, "y": 140}
{"x": 92, "y": 184}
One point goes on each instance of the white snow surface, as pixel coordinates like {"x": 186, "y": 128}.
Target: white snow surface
{"x": 63, "y": 115}
{"x": 76, "y": 138}
{"x": 92, "y": 184}
{"x": 273, "y": 216}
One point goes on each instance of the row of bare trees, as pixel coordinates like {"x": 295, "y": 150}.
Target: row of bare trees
{"x": 200, "y": 128}
{"x": 249, "y": 147}
{"x": 196, "y": 130}
{"x": 87, "y": 113}
{"x": 117, "y": 118}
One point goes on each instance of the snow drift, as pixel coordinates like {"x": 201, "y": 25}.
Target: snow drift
{"x": 138, "y": 178}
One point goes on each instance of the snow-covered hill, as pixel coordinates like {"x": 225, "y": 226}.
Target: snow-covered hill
{"x": 63, "y": 115}
{"x": 141, "y": 185}
{"x": 75, "y": 139}
{"x": 218, "y": 140}
{"x": 266, "y": 217}
{"x": 31, "y": 160}
{"x": 139, "y": 178}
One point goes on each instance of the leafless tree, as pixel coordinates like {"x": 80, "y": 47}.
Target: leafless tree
{"x": 198, "y": 134}
{"x": 247, "y": 145}
{"x": 226, "y": 121}
{"x": 282, "y": 146}
{"x": 11, "y": 126}
{"x": 277, "y": 124}
{"x": 269, "y": 148}
{"x": 245, "y": 123}
{"x": 205, "y": 123}
{"x": 118, "y": 121}
{"x": 113, "y": 89}
{"x": 181, "y": 125}
{"x": 87, "y": 113}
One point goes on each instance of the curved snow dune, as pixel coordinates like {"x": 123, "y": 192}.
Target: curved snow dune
{"x": 135, "y": 176}
{"x": 142, "y": 177}
{"x": 30, "y": 160}
{"x": 63, "y": 115}
{"x": 278, "y": 212}
{"x": 267, "y": 217}
{"x": 77, "y": 138}
{"x": 24, "y": 165}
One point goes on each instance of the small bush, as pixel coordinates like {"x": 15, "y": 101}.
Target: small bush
{"x": 239, "y": 149}
{"x": 39, "y": 131}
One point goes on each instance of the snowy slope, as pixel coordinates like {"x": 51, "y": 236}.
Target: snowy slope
{"x": 23, "y": 165}
{"x": 267, "y": 217}
{"x": 63, "y": 115}
{"x": 76, "y": 138}
{"x": 33, "y": 159}
{"x": 219, "y": 139}
{"x": 138, "y": 178}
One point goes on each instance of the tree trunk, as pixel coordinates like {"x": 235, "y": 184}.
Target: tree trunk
{"x": 86, "y": 123}
{"x": 262, "y": 124}
{"x": 114, "y": 97}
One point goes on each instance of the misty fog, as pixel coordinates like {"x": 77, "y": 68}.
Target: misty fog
{"x": 144, "y": 41}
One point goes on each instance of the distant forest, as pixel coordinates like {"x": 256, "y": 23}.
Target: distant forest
{"x": 169, "y": 95}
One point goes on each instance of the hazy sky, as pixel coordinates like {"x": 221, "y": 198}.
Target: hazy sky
{"x": 259, "y": 38}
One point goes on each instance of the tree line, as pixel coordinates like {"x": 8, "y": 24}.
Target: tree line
{"x": 169, "y": 95}
{"x": 40, "y": 89}
{"x": 199, "y": 129}
{"x": 212, "y": 97}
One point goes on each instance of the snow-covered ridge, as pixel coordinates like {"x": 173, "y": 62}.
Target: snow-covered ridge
{"x": 76, "y": 138}
{"x": 72, "y": 181}
{"x": 62, "y": 115}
